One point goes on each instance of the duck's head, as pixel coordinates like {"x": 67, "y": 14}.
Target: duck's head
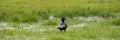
{"x": 63, "y": 19}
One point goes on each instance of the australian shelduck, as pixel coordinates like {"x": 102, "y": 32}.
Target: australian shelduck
{"x": 63, "y": 25}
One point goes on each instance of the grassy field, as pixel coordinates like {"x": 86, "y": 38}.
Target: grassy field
{"x": 39, "y": 19}
{"x": 33, "y": 10}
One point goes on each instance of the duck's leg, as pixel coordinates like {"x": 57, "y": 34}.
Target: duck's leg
{"x": 64, "y": 30}
{"x": 61, "y": 30}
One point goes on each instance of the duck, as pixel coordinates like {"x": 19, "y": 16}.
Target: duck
{"x": 62, "y": 26}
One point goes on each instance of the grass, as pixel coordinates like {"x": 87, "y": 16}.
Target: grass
{"x": 116, "y": 21}
{"x": 101, "y": 30}
{"x": 38, "y": 19}
{"x": 26, "y": 11}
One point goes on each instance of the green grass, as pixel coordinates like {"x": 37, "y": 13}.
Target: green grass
{"x": 116, "y": 21}
{"x": 101, "y": 30}
{"x": 27, "y": 10}
{"x": 32, "y": 19}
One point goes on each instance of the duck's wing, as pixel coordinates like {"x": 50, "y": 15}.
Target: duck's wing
{"x": 62, "y": 26}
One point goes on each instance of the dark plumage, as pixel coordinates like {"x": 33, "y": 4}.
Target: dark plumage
{"x": 63, "y": 25}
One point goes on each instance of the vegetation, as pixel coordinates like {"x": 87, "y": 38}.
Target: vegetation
{"x": 38, "y": 19}
{"x": 27, "y": 10}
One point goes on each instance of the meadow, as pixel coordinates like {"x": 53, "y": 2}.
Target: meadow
{"x": 39, "y": 19}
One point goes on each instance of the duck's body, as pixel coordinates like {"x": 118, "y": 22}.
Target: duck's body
{"x": 63, "y": 25}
